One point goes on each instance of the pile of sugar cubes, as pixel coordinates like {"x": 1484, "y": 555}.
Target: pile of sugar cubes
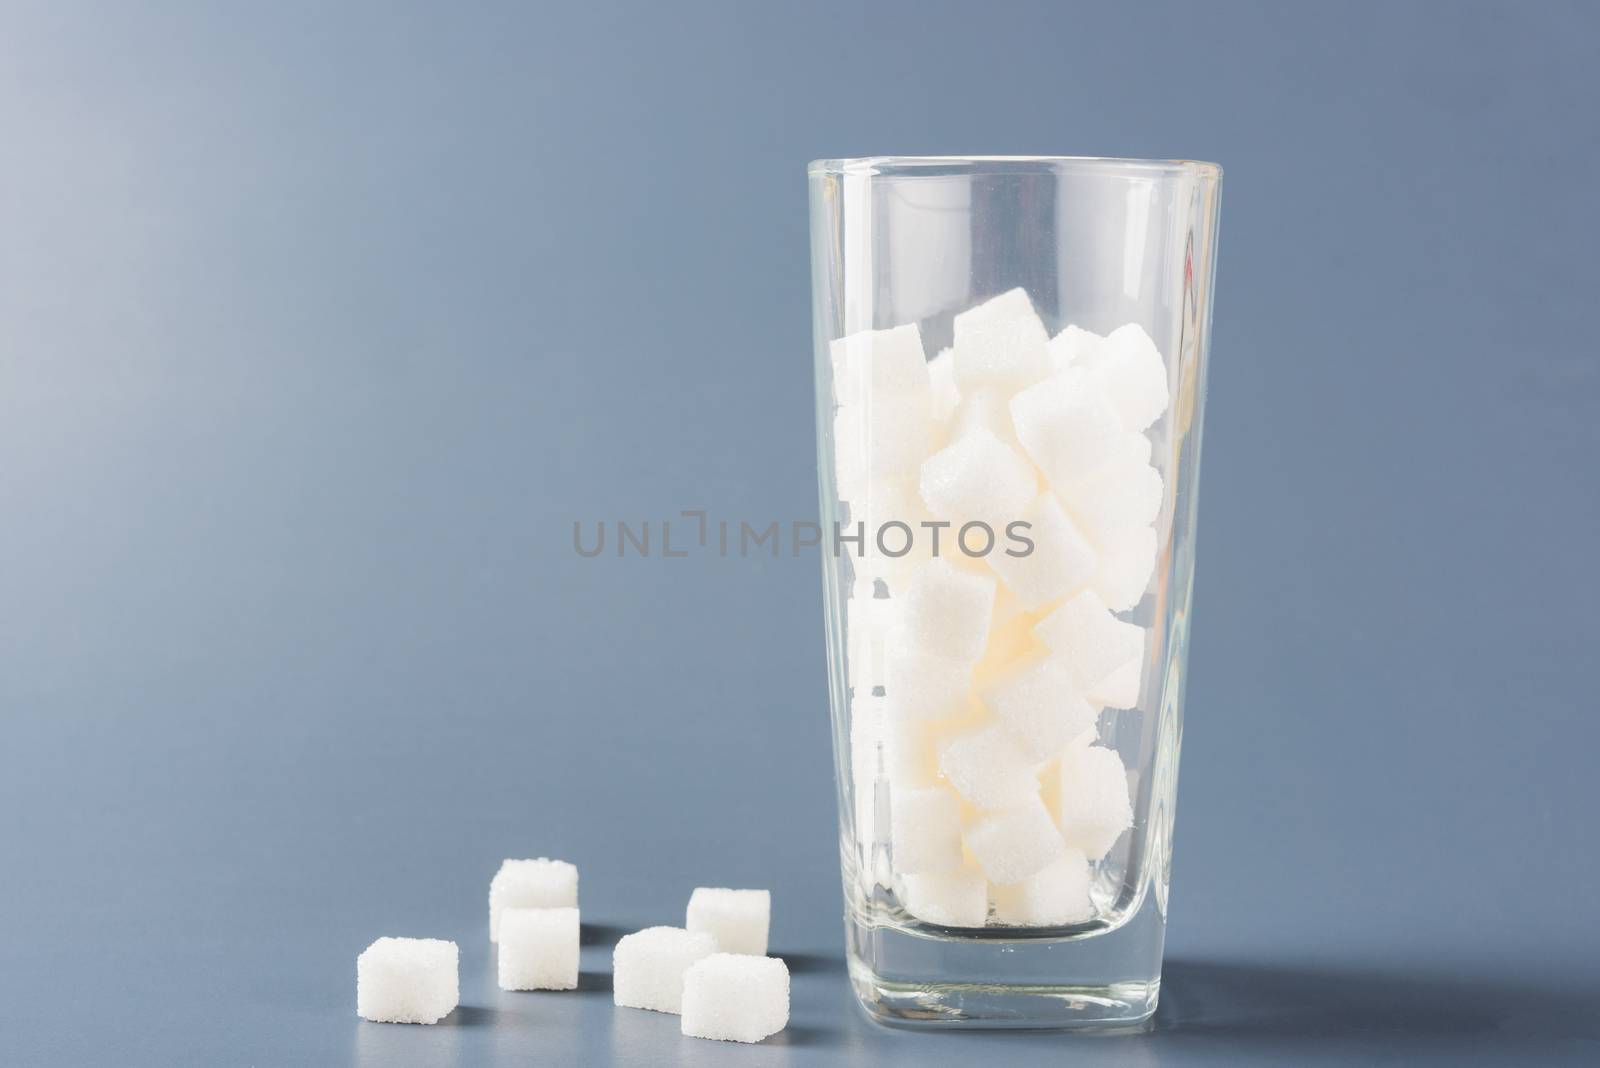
{"x": 977, "y": 678}
{"x": 713, "y": 971}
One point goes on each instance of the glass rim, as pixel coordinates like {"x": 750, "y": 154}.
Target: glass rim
{"x": 908, "y": 166}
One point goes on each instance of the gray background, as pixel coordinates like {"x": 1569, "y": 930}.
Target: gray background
{"x": 320, "y": 324}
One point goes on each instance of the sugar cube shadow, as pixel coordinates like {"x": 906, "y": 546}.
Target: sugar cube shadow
{"x": 477, "y": 1016}
{"x": 595, "y": 934}
{"x": 810, "y": 963}
{"x": 594, "y": 982}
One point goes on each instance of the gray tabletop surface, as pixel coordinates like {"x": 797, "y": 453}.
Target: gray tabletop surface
{"x": 320, "y": 325}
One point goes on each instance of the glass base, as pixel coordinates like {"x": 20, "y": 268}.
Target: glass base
{"x": 1099, "y": 980}
{"x": 1122, "y": 1008}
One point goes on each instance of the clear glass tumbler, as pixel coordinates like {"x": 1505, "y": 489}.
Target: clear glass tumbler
{"x": 1010, "y": 373}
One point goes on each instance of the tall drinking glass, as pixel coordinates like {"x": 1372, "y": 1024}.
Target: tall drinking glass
{"x": 1010, "y": 374}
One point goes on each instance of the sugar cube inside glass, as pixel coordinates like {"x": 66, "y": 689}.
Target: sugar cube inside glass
{"x": 945, "y": 612}
{"x": 1001, "y": 343}
{"x": 987, "y": 768}
{"x": 1093, "y": 807}
{"x": 1039, "y": 703}
{"x": 925, "y": 830}
{"x": 1060, "y": 562}
{"x": 950, "y": 899}
{"x": 1015, "y": 843}
{"x": 1055, "y": 895}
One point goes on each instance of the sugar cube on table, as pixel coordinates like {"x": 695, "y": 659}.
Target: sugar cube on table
{"x": 950, "y": 899}
{"x": 1060, "y": 562}
{"x": 647, "y": 966}
{"x": 988, "y": 768}
{"x": 1120, "y": 689}
{"x": 1039, "y": 703}
{"x": 1133, "y": 374}
{"x": 540, "y": 883}
{"x": 737, "y": 919}
{"x": 538, "y": 949}
{"x": 1014, "y": 843}
{"x": 1092, "y": 643}
{"x": 925, "y": 831}
{"x": 735, "y": 997}
{"x": 1093, "y": 807}
{"x": 1115, "y": 498}
{"x": 1001, "y": 343}
{"x": 945, "y": 611}
{"x": 408, "y": 980}
{"x": 1126, "y": 560}
{"x": 977, "y": 478}
{"x": 1050, "y": 897}
{"x": 1074, "y": 345}
{"x": 923, "y": 686}
{"x": 1067, "y": 425}
{"x": 875, "y": 363}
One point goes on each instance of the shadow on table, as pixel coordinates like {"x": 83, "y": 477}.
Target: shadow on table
{"x": 1278, "y": 1013}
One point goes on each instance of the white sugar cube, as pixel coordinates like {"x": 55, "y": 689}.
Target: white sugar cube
{"x": 647, "y": 966}
{"x": 538, "y": 884}
{"x": 1067, "y": 425}
{"x": 943, "y": 395}
{"x": 893, "y": 541}
{"x": 878, "y": 362}
{"x": 1060, "y": 561}
{"x": 919, "y": 685}
{"x": 867, "y": 622}
{"x": 408, "y": 980}
{"x": 538, "y": 949}
{"x": 1126, "y": 560}
{"x": 867, "y": 721}
{"x": 1052, "y": 896}
{"x": 1134, "y": 376}
{"x": 1115, "y": 498}
{"x": 1001, "y": 343}
{"x": 735, "y": 997}
{"x": 1010, "y": 646}
{"x": 1006, "y": 605}
{"x": 1074, "y": 345}
{"x": 1089, "y": 640}
{"x": 1038, "y": 702}
{"x": 1120, "y": 689}
{"x": 978, "y": 478}
{"x": 1014, "y": 843}
{"x": 945, "y": 612}
{"x": 884, "y": 437}
{"x": 737, "y": 919}
{"x": 925, "y": 831}
{"x": 988, "y": 768}
{"x": 910, "y": 760}
{"x": 1093, "y": 807}
{"x": 951, "y": 899}
{"x": 986, "y": 409}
